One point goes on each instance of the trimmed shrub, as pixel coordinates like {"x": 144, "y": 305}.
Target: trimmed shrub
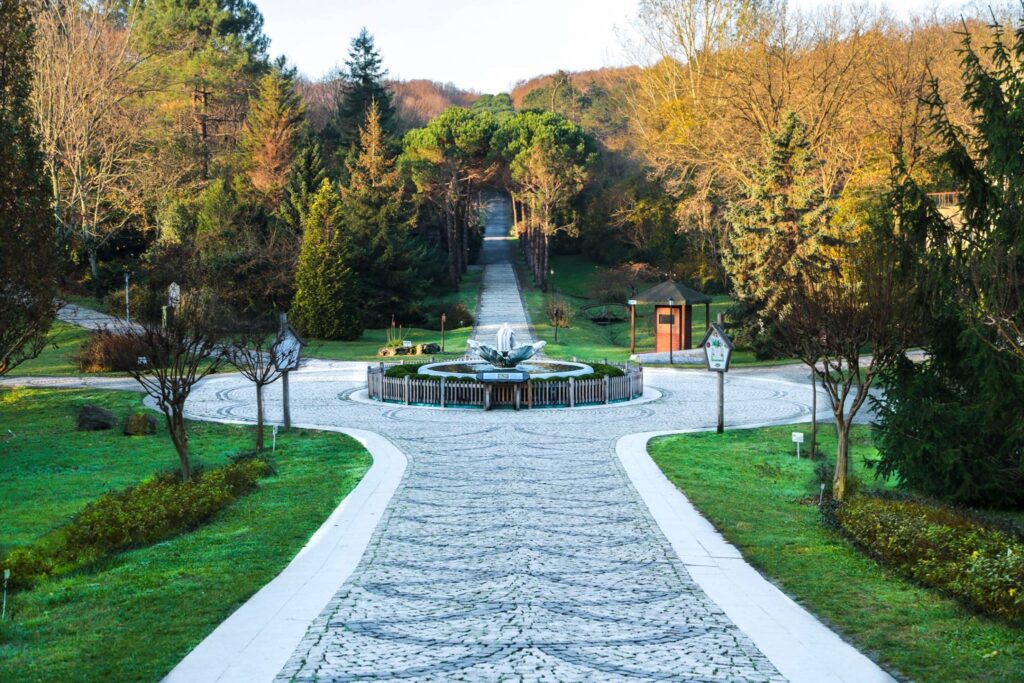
{"x": 979, "y": 564}
{"x": 106, "y": 351}
{"x": 153, "y": 511}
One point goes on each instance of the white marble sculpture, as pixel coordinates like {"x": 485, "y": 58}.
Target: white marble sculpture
{"x": 505, "y": 353}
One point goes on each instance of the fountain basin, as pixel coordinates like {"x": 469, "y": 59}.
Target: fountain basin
{"x": 535, "y": 368}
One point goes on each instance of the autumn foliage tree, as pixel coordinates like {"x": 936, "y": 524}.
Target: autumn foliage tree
{"x": 271, "y": 134}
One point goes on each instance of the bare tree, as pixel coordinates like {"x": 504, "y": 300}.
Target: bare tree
{"x": 178, "y": 353}
{"x": 88, "y": 71}
{"x": 253, "y": 353}
{"x": 830, "y": 321}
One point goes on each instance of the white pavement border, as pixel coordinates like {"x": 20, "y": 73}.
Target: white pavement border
{"x": 255, "y": 642}
{"x": 802, "y": 648}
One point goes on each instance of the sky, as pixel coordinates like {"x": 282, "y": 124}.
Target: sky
{"x": 482, "y": 45}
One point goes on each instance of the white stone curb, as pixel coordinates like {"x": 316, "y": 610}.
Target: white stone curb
{"x": 255, "y": 642}
{"x": 802, "y": 648}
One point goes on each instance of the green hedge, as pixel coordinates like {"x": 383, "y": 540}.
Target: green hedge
{"x": 979, "y": 564}
{"x": 155, "y": 510}
{"x": 412, "y": 370}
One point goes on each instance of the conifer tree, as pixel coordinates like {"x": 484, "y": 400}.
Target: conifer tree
{"x": 27, "y": 253}
{"x": 782, "y": 225}
{"x": 270, "y": 137}
{"x": 363, "y": 80}
{"x": 305, "y": 178}
{"x": 326, "y": 303}
{"x": 378, "y": 221}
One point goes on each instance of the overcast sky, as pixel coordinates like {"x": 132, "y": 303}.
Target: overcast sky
{"x": 484, "y": 45}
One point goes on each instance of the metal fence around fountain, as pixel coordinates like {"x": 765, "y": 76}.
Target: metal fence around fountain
{"x": 547, "y": 393}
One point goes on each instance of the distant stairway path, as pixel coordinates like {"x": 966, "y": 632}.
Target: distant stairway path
{"x": 500, "y": 299}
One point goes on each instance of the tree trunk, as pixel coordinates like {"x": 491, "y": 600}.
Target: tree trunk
{"x": 94, "y": 270}
{"x": 842, "y": 460}
{"x": 259, "y": 418}
{"x": 179, "y": 437}
{"x": 814, "y": 413}
{"x": 453, "y": 246}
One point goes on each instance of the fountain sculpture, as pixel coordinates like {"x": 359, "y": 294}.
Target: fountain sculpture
{"x": 505, "y": 353}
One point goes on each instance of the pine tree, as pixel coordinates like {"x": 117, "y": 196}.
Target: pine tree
{"x": 27, "y": 253}
{"x": 363, "y": 85}
{"x": 270, "y": 137}
{"x": 306, "y": 176}
{"x": 378, "y": 223}
{"x": 326, "y": 303}
{"x": 781, "y": 228}
{"x": 780, "y": 236}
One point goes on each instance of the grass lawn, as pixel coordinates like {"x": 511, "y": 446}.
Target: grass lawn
{"x": 63, "y": 341}
{"x": 749, "y": 485}
{"x": 366, "y": 348}
{"x": 136, "y": 615}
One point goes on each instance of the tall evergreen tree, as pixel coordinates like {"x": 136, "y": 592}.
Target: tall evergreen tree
{"x": 363, "y": 85}
{"x": 779, "y": 232}
{"x": 782, "y": 223}
{"x": 305, "y": 178}
{"x": 378, "y": 229}
{"x": 326, "y": 303}
{"x": 952, "y": 425}
{"x": 271, "y": 134}
{"x": 27, "y": 253}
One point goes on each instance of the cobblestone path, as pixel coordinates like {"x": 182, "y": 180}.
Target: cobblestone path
{"x": 500, "y": 301}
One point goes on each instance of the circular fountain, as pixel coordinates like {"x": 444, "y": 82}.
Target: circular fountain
{"x": 505, "y": 374}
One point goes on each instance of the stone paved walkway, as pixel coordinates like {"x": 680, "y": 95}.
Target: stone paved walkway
{"x": 500, "y": 301}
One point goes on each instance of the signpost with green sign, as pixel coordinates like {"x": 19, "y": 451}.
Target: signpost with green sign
{"x": 717, "y": 354}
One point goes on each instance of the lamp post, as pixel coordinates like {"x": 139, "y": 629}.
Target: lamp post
{"x": 558, "y": 321}
{"x": 444, "y": 318}
{"x": 671, "y": 330}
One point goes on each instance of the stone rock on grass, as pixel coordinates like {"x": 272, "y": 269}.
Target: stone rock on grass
{"x": 139, "y": 424}
{"x": 93, "y": 419}
{"x": 425, "y": 349}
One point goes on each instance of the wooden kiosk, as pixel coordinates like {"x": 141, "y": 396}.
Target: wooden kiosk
{"x": 673, "y": 315}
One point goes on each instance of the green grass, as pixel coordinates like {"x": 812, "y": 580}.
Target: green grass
{"x": 62, "y": 341}
{"x": 365, "y": 348}
{"x": 750, "y": 486}
{"x": 136, "y": 615}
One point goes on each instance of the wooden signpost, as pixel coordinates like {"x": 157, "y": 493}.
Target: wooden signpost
{"x": 717, "y": 354}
